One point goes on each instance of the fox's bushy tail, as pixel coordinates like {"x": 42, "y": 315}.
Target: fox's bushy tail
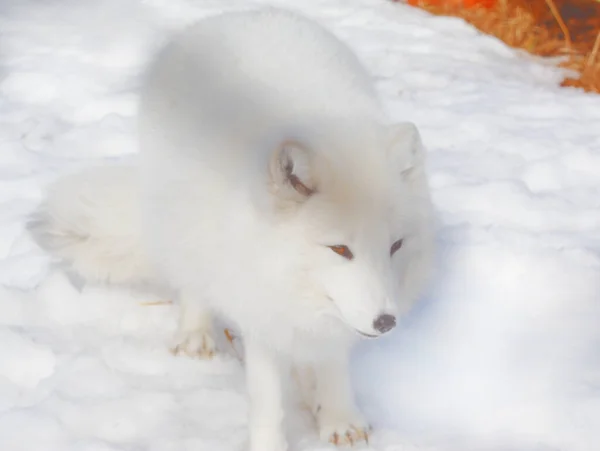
{"x": 90, "y": 220}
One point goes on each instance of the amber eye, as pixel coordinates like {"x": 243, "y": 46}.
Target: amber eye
{"x": 396, "y": 246}
{"x": 342, "y": 250}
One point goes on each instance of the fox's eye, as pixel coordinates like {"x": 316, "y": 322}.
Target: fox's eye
{"x": 342, "y": 250}
{"x": 395, "y": 247}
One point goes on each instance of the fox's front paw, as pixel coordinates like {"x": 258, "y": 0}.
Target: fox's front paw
{"x": 197, "y": 344}
{"x": 343, "y": 431}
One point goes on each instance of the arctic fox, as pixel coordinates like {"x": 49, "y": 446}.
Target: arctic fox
{"x": 272, "y": 191}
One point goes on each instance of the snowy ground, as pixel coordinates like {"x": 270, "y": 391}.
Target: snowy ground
{"x": 504, "y": 352}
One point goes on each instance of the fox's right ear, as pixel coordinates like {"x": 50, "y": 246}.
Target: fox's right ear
{"x": 292, "y": 172}
{"x": 406, "y": 150}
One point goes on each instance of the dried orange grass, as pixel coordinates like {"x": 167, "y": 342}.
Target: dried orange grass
{"x": 517, "y": 27}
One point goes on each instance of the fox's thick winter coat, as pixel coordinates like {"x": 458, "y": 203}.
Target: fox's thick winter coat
{"x": 271, "y": 190}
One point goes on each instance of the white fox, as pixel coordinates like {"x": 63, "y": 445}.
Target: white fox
{"x": 272, "y": 191}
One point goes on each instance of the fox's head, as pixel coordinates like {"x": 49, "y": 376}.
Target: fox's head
{"x": 357, "y": 213}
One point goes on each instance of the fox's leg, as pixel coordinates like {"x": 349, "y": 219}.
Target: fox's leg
{"x": 265, "y": 393}
{"x": 339, "y": 420}
{"x": 194, "y": 336}
{"x": 304, "y": 376}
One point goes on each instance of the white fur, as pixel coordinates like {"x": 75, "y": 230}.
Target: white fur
{"x": 90, "y": 219}
{"x": 234, "y": 111}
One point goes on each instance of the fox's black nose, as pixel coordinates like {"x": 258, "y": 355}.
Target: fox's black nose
{"x": 384, "y": 323}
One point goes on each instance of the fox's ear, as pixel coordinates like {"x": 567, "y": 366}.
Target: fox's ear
{"x": 405, "y": 150}
{"x": 292, "y": 172}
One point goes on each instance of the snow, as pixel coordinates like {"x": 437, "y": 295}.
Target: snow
{"x": 502, "y": 354}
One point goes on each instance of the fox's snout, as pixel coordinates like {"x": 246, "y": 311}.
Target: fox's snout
{"x": 384, "y": 323}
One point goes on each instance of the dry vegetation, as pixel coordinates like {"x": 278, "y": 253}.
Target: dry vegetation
{"x": 569, "y": 28}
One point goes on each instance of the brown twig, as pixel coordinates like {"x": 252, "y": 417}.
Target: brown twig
{"x": 153, "y": 303}
{"x": 561, "y": 24}
{"x": 231, "y": 338}
{"x": 592, "y": 58}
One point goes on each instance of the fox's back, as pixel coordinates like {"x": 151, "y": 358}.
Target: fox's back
{"x": 248, "y": 75}
{"x": 289, "y": 58}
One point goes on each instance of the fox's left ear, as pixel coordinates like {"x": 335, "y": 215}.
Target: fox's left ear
{"x": 292, "y": 171}
{"x": 405, "y": 149}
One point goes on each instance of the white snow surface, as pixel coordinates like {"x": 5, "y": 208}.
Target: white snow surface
{"x": 502, "y": 354}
